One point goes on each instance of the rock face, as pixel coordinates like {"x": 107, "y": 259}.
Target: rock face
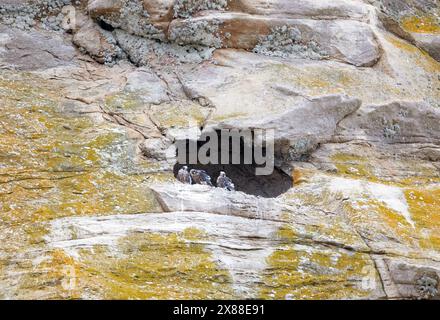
{"x": 96, "y": 94}
{"x": 33, "y": 50}
{"x": 315, "y": 30}
{"x": 315, "y": 39}
{"x": 416, "y": 21}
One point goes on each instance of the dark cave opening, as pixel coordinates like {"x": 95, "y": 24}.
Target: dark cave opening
{"x": 242, "y": 174}
{"x": 106, "y": 26}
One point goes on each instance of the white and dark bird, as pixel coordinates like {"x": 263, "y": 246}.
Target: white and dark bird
{"x": 224, "y": 182}
{"x": 201, "y": 177}
{"x": 184, "y": 176}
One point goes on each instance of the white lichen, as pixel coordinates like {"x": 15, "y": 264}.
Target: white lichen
{"x": 286, "y": 41}
{"x": 186, "y": 8}
{"x": 204, "y": 33}
{"x": 45, "y": 14}
{"x": 133, "y": 18}
{"x": 141, "y": 50}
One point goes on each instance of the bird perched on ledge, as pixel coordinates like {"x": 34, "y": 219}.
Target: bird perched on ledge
{"x": 184, "y": 176}
{"x": 201, "y": 177}
{"x": 224, "y": 182}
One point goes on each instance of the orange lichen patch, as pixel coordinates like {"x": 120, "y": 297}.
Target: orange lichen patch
{"x": 300, "y": 175}
{"x": 421, "y": 24}
{"x": 424, "y": 206}
{"x": 156, "y": 266}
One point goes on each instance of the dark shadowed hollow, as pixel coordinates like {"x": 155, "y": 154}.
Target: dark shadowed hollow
{"x": 243, "y": 175}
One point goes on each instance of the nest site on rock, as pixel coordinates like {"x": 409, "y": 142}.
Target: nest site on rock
{"x": 228, "y": 156}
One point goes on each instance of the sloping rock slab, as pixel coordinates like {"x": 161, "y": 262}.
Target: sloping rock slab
{"x": 198, "y": 198}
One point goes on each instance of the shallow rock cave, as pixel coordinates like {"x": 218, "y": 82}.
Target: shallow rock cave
{"x": 243, "y": 175}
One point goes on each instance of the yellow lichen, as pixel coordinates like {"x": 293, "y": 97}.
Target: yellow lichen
{"x": 418, "y": 56}
{"x": 421, "y": 24}
{"x": 156, "y": 266}
{"x": 377, "y": 170}
{"x": 123, "y": 101}
{"x": 53, "y": 165}
{"x": 57, "y": 275}
{"x": 228, "y": 116}
{"x": 176, "y": 115}
{"x": 424, "y": 206}
{"x": 293, "y": 273}
{"x": 353, "y": 165}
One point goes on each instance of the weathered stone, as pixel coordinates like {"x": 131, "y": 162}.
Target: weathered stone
{"x": 147, "y": 86}
{"x": 34, "y": 50}
{"x": 242, "y": 31}
{"x": 215, "y": 200}
{"x": 414, "y": 280}
{"x": 98, "y": 43}
{"x": 430, "y": 43}
{"x": 397, "y": 122}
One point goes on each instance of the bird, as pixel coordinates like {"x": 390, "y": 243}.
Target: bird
{"x": 201, "y": 177}
{"x": 184, "y": 176}
{"x": 224, "y": 182}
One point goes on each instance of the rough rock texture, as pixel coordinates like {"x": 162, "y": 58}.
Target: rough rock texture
{"x": 98, "y": 43}
{"x": 32, "y": 50}
{"x": 89, "y": 204}
{"x": 235, "y": 30}
{"x": 416, "y": 21}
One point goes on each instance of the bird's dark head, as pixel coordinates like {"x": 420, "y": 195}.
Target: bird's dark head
{"x": 192, "y": 172}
